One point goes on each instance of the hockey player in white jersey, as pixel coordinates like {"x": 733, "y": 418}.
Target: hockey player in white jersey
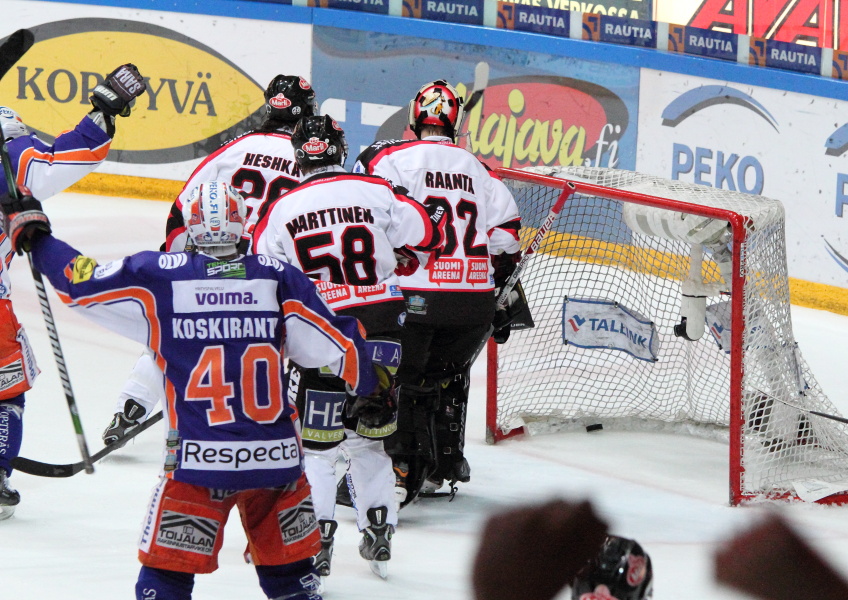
{"x": 261, "y": 166}
{"x": 342, "y": 229}
{"x": 220, "y": 335}
{"x": 46, "y": 169}
{"x": 451, "y": 302}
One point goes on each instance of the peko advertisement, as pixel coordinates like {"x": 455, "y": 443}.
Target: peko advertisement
{"x": 756, "y": 140}
{"x": 536, "y": 110}
{"x": 204, "y": 83}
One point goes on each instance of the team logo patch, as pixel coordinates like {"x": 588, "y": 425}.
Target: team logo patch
{"x": 637, "y": 568}
{"x": 280, "y": 101}
{"x": 225, "y": 269}
{"x": 188, "y": 533}
{"x": 315, "y": 146}
{"x": 11, "y": 375}
{"x": 172, "y": 261}
{"x": 83, "y": 269}
{"x": 304, "y": 84}
{"x": 297, "y": 523}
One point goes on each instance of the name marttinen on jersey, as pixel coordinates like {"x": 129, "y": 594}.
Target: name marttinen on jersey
{"x": 219, "y": 296}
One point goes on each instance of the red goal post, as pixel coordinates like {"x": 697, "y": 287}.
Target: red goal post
{"x": 628, "y": 258}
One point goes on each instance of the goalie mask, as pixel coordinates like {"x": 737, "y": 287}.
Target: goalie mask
{"x": 289, "y": 98}
{"x": 621, "y": 571}
{"x": 437, "y": 103}
{"x": 11, "y": 124}
{"x": 214, "y": 216}
{"x": 318, "y": 141}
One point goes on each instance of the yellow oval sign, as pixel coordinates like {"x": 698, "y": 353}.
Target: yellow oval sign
{"x": 195, "y": 97}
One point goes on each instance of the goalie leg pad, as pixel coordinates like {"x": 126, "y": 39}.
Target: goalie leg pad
{"x": 416, "y": 405}
{"x": 449, "y": 430}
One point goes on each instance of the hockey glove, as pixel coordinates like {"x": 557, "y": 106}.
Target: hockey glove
{"x": 504, "y": 265}
{"x": 124, "y": 422}
{"x": 379, "y": 408}
{"x": 115, "y": 95}
{"x": 24, "y": 219}
{"x": 407, "y": 262}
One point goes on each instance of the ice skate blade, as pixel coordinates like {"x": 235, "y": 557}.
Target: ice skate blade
{"x": 380, "y": 568}
{"x": 321, "y": 584}
{"x": 6, "y": 512}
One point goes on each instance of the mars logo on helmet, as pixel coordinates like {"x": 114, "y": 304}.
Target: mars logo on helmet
{"x": 280, "y": 101}
{"x": 315, "y": 146}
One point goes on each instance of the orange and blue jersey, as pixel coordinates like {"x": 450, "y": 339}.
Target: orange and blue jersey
{"x": 220, "y": 331}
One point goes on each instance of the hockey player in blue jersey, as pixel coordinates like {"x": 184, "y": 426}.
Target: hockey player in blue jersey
{"x": 219, "y": 325}
{"x": 46, "y": 170}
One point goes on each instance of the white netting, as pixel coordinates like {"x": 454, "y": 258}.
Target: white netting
{"x": 591, "y": 253}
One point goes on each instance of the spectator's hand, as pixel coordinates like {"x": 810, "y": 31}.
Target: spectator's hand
{"x": 772, "y": 562}
{"x": 531, "y": 553}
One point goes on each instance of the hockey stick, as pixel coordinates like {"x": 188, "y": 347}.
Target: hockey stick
{"x": 40, "y": 469}
{"x": 15, "y": 46}
{"x": 47, "y": 313}
{"x": 546, "y": 225}
{"x": 481, "y": 81}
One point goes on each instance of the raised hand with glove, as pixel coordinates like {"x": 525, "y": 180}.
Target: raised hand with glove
{"x": 116, "y": 95}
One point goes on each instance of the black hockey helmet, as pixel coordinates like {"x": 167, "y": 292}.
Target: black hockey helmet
{"x": 289, "y": 98}
{"x": 621, "y": 571}
{"x": 317, "y": 141}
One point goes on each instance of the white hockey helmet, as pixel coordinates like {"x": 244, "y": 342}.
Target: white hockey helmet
{"x": 215, "y": 217}
{"x": 437, "y": 103}
{"x": 11, "y": 124}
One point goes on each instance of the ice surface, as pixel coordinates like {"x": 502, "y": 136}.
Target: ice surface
{"x": 75, "y": 538}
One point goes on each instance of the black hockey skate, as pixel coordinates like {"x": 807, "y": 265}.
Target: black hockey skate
{"x": 376, "y": 544}
{"x": 327, "y": 527}
{"x": 9, "y": 498}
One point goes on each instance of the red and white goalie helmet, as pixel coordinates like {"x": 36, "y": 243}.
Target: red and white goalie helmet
{"x": 215, "y": 217}
{"x": 437, "y": 103}
{"x": 11, "y": 124}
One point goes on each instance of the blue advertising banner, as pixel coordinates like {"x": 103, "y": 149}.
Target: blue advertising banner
{"x": 619, "y": 30}
{"x": 538, "y": 109}
{"x": 372, "y": 6}
{"x": 533, "y": 18}
{"x": 703, "y": 42}
{"x": 469, "y": 12}
{"x": 795, "y": 57}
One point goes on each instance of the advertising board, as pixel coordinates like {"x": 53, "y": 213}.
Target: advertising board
{"x": 784, "y": 145}
{"x": 206, "y": 77}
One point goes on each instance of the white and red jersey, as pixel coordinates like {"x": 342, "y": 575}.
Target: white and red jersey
{"x": 482, "y": 217}
{"x": 260, "y": 165}
{"x": 342, "y": 229}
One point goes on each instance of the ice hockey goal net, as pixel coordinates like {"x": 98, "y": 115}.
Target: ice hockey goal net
{"x": 626, "y": 259}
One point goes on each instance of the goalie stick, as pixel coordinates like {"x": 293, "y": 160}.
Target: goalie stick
{"x": 40, "y": 469}
{"x": 481, "y": 81}
{"x": 546, "y": 225}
